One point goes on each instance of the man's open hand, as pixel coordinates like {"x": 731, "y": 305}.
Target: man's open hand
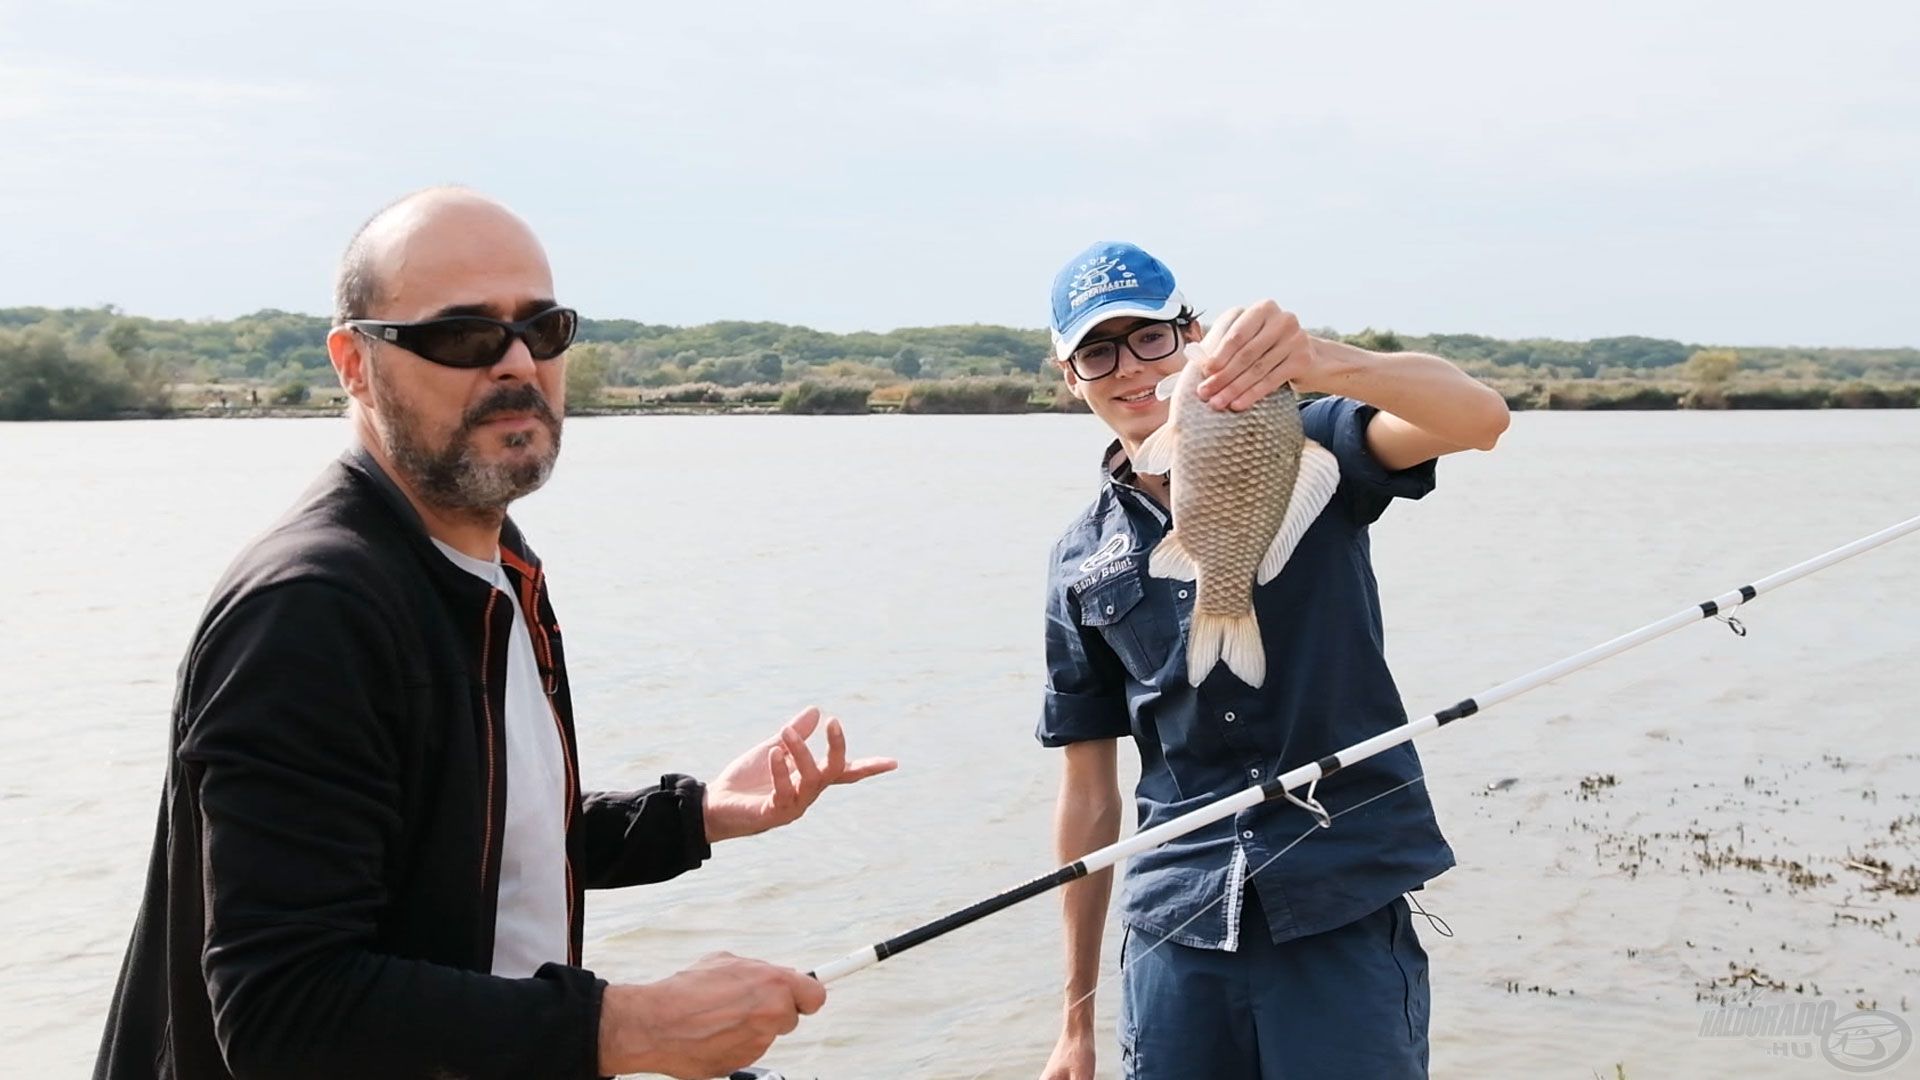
{"x": 776, "y": 781}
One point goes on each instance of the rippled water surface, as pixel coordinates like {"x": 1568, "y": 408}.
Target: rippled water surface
{"x": 714, "y": 574}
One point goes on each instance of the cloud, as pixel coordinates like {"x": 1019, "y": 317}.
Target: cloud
{"x": 1513, "y": 166}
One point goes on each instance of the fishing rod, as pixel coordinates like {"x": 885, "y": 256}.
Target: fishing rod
{"x": 1281, "y": 787}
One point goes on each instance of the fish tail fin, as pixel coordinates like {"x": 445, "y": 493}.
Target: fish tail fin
{"x": 1171, "y": 559}
{"x": 1234, "y": 638}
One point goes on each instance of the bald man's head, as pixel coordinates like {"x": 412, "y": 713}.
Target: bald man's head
{"x": 467, "y": 439}
{"x": 379, "y": 254}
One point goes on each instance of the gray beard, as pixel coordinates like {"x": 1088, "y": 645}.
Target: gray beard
{"x": 452, "y": 477}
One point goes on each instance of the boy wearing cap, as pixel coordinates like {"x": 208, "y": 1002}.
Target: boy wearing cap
{"x": 1238, "y": 962}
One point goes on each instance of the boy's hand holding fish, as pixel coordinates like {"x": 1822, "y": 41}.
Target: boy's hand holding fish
{"x": 1249, "y": 352}
{"x": 1428, "y": 406}
{"x": 1247, "y": 484}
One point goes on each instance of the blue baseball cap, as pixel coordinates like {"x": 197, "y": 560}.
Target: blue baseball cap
{"x": 1110, "y": 280}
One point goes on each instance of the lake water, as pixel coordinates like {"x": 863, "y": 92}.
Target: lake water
{"x": 717, "y": 573}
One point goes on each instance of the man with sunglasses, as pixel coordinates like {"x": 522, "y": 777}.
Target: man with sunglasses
{"x": 1260, "y": 946}
{"x": 373, "y": 842}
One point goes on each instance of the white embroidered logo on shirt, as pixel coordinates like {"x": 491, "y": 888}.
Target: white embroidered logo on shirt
{"x": 1120, "y": 545}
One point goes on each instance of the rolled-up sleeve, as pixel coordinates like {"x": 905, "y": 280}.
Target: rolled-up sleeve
{"x": 1367, "y": 487}
{"x": 1086, "y": 686}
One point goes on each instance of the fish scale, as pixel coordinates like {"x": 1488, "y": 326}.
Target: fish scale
{"x": 1245, "y": 487}
{"x": 1236, "y": 474}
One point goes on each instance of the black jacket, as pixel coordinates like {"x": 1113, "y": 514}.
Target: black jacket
{"x": 320, "y": 900}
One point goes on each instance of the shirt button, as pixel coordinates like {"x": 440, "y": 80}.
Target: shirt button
{"x": 1229, "y": 718}
{"x": 1183, "y": 594}
{"x": 1248, "y": 835}
{"x": 1109, "y": 609}
{"x": 1255, "y": 773}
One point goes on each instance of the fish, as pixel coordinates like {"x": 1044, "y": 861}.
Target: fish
{"x": 1245, "y": 486}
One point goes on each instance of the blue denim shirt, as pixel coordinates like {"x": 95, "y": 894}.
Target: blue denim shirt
{"x": 1116, "y": 665}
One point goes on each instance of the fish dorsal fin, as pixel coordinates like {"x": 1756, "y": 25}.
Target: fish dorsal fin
{"x": 1164, "y": 388}
{"x": 1155, "y": 456}
{"x": 1312, "y": 489}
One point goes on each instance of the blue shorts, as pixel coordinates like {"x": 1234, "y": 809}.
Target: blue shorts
{"x": 1351, "y": 1002}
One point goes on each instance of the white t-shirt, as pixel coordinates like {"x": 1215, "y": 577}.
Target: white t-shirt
{"x": 530, "y": 924}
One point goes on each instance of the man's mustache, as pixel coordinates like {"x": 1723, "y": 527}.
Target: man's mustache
{"x": 523, "y": 398}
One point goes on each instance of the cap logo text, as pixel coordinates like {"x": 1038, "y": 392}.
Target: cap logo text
{"x": 1096, "y": 277}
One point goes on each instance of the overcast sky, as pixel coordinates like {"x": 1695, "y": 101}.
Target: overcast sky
{"x": 1736, "y": 173}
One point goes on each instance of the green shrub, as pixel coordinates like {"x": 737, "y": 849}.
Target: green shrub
{"x": 979, "y": 395}
{"x": 1065, "y": 402}
{"x": 44, "y": 377}
{"x": 1597, "y": 394}
{"x": 818, "y": 398}
{"x": 755, "y": 394}
{"x": 699, "y": 393}
{"x": 1519, "y": 396}
{"x": 1866, "y": 395}
{"x": 1777, "y": 396}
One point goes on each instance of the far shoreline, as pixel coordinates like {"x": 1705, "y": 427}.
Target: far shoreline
{"x": 302, "y": 412}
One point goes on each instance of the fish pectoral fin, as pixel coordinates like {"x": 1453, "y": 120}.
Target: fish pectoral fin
{"x": 1171, "y": 559}
{"x": 1164, "y": 388}
{"x": 1235, "y": 639}
{"x": 1155, "y": 456}
{"x": 1313, "y": 488}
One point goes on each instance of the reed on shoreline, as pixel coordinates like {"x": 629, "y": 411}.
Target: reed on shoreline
{"x": 1000, "y": 396}
{"x": 98, "y": 363}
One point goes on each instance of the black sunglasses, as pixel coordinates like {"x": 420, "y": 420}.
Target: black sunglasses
{"x": 476, "y": 341}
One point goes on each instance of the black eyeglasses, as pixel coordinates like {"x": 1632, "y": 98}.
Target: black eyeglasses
{"x": 476, "y": 341}
{"x": 1147, "y": 342}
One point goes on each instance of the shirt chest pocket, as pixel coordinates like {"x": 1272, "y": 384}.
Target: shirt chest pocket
{"x": 1143, "y": 634}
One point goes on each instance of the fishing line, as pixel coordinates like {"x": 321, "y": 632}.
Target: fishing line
{"x": 1306, "y": 775}
{"x": 1439, "y": 924}
{"x": 1218, "y": 900}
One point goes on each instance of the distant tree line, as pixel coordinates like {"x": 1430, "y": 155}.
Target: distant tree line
{"x": 44, "y": 376}
{"x": 86, "y": 362}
